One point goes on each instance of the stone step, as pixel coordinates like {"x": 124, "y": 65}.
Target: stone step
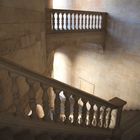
{"x": 6, "y": 134}
{"x": 24, "y": 135}
{"x": 43, "y": 136}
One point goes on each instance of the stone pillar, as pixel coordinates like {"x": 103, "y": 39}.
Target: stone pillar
{"x": 50, "y": 52}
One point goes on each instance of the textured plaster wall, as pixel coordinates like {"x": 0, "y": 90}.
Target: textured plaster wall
{"x": 116, "y": 72}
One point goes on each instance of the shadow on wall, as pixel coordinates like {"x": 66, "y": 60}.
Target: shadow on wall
{"x": 124, "y": 35}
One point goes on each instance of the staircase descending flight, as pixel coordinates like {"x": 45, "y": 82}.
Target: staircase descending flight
{"x": 37, "y": 107}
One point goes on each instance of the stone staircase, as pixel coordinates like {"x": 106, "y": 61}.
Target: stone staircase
{"x": 78, "y": 115}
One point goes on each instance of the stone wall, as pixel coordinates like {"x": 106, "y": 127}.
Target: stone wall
{"x": 23, "y": 41}
{"x": 116, "y": 72}
{"x": 22, "y": 33}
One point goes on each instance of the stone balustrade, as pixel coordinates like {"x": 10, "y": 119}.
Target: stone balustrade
{"x": 71, "y": 106}
{"x": 75, "y": 21}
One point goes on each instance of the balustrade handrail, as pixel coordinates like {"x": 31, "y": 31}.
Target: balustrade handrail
{"x": 62, "y": 20}
{"x": 80, "y": 11}
{"x": 15, "y": 68}
{"x": 99, "y": 115}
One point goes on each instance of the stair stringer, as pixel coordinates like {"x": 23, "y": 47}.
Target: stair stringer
{"x": 36, "y": 127}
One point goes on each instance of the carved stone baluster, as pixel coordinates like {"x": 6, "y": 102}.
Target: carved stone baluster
{"x": 46, "y": 102}
{"x": 79, "y": 22}
{"x": 98, "y": 114}
{"x": 32, "y": 97}
{"x": 100, "y": 22}
{"x": 91, "y": 115}
{"x": 97, "y": 21}
{"x": 71, "y": 21}
{"x": 85, "y": 21}
{"x": 97, "y": 26}
{"x": 71, "y": 116}
{"x": 73, "y": 17}
{"x": 53, "y": 20}
{"x": 109, "y": 118}
{"x": 75, "y": 21}
{"x": 84, "y": 110}
{"x": 84, "y": 25}
{"x": 67, "y": 21}
{"x": 62, "y": 21}
{"x": 58, "y": 21}
{"x": 67, "y": 108}
{"x": 94, "y": 22}
{"x": 88, "y": 106}
{"x": 57, "y": 105}
{"x": 16, "y": 94}
{"x": 104, "y": 117}
{"x": 100, "y": 123}
{"x": 82, "y": 22}
{"x": 89, "y": 23}
{"x": 76, "y": 110}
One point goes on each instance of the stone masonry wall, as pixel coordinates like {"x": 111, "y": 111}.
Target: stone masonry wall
{"x": 22, "y": 33}
{"x": 23, "y": 41}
